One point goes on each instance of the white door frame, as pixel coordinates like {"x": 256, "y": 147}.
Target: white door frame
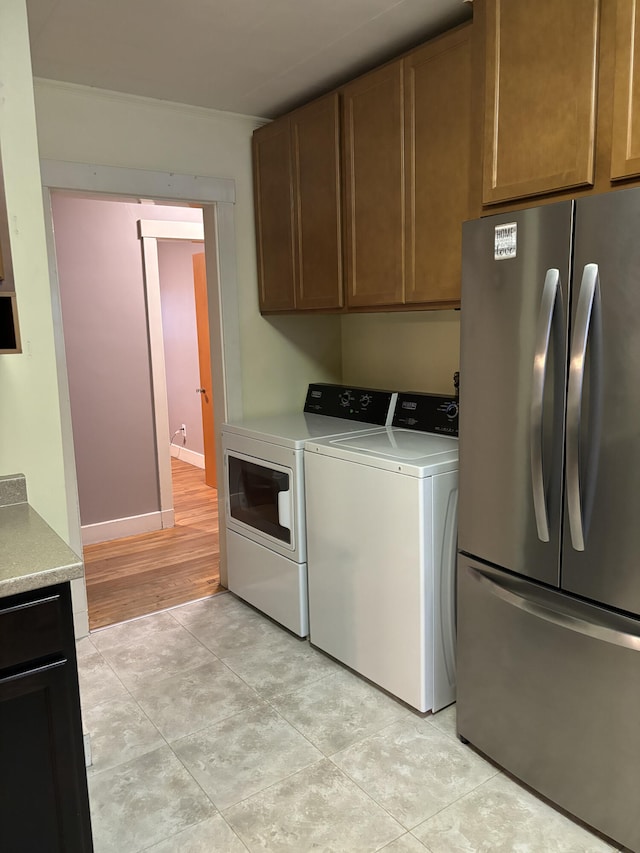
{"x": 217, "y": 195}
{"x": 149, "y": 232}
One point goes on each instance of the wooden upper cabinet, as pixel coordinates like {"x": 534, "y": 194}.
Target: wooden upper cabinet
{"x": 383, "y": 231}
{"x": 273, "y": 197}
{"x": 540, "y": 108}
{"x": 438, "y": 145}
{"x": 296, "y": 163}
{"x": 625, "y": 153}
{"x": 373, "y": 128}
{"x": 316, "y": 180}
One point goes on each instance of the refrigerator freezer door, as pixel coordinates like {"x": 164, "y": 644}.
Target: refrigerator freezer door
{"x": 605, "y": 441}
{"x": 547, "y": 687}
{"x": 515, "y": 297}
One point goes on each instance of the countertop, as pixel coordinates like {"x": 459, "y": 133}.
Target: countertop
{"x": 32, "y": 555}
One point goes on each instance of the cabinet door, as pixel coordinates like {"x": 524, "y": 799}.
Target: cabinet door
{"x": 43, "y": 792}
{"x": 373, "y": 112}
{"x": 273, "y": 192}
{"x": 540, "y": 96}
{"x": 438, "y": 127}
{"x": 625, "y": 154}
{"x": 316, "y": 179}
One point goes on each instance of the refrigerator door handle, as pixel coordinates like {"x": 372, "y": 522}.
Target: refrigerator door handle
{"x": 548, "y": 300}
{"x": 588, "y": 298}
{"x": 596, "y": 628}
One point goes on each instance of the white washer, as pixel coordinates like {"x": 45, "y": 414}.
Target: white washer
{"x": 265, "y": 494}
{"x": 381, "y": 545}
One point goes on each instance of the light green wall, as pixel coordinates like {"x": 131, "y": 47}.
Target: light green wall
{"x": 30, "y": 421}
{"x": 76, "y": 123}
{"x": 408, "y": 351}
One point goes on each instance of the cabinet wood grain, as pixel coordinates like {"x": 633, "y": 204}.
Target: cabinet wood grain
{"x": 438, "y": 146}
{"x": 316, "y": 185}
{"x": 625, "y": 153}
{"x": 373, "y": 110}
{"x": 540, "y": 107}
{"x": 273, "y": 195}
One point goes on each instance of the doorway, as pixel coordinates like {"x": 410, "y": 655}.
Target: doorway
{"x": 117, "y": 362}
{"x": 219, "y": 232}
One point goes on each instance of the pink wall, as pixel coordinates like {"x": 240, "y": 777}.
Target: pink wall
{"x": 180, "y": 339}
{"x": 103, "y": 308}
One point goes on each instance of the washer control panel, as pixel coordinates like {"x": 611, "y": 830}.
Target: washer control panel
{"x": 368, "y": 405}
{"x": 427, "y": 413}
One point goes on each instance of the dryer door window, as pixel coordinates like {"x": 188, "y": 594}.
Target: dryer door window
{"x": 260, "y": 497}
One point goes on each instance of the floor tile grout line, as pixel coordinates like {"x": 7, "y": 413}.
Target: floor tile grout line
{"x": 237, "y": 713}
{"x": 202, "y": 642}
{"x": 345, "y": 775}
{"x": 191, "y": 826}
{"x": 163, "y": 676}
{"x": 273, "y": 784}
{"x": 453, "y": 802}
{"x": 179, "y": 625}
{"x": 407, "y": 828}
{"x": 96, "y": 704}
{"x": 329, "y": 754}
{"x": 268, "y": 700}
{"x": 215, "y": 805}
{"x": 427, "y": 848}
{"x": 367, "y": 794}
{"x": 95, "y": 773}
{"x": 250, "y": 707}
{"x": 393, "y": 841}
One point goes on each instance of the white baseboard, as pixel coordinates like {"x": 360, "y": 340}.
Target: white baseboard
{"x": 118, "y": 528}
{"x": 186, "y": 455}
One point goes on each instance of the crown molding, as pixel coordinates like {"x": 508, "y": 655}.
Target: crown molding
{"x": 79, "y": 89}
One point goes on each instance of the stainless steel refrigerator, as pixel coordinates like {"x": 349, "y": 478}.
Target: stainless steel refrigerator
{"x": 548, "y": 614}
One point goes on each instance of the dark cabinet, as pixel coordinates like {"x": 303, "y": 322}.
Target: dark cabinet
{"x": 44, "y": 803}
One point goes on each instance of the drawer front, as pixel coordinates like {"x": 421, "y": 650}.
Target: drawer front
{"x": 30, "y": 630}
{"x": 549, "y": 687}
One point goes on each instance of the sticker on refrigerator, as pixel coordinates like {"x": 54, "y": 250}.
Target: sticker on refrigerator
{"x": 505, "y": 241}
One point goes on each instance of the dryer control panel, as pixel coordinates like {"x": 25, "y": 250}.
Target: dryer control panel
{"x": 427, "y": 413}
{"x": 368, "y": 405}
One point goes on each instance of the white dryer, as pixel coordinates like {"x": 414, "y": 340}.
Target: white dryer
{"x": 265, "y": 494}
{"x": 381, "y": 550}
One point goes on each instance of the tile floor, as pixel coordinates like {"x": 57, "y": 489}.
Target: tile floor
{"x": 212, "y": 729}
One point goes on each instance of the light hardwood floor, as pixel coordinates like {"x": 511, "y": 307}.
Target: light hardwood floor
{"x": 143, "y": 574}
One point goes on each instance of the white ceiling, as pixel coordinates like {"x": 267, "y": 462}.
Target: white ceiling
{"x": 257, "y": 57}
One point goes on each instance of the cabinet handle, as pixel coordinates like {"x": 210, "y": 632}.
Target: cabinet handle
{"x": 35, "y": 670}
